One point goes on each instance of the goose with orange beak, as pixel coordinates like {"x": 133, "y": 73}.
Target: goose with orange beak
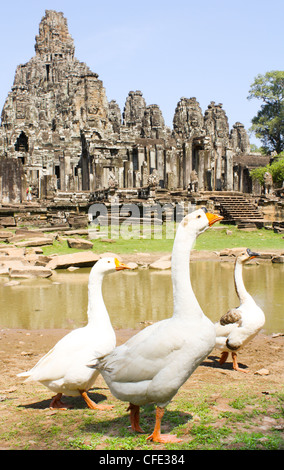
{"x": 119, "y": 266}
{"x": 64, "y": 369}
{"x": 239, "y": 325}
{"x": 152, "y": 365}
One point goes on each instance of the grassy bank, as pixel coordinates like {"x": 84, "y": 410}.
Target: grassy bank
{"x": 214, "y": 239}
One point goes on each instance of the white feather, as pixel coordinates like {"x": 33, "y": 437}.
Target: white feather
{"x": 152, "y": 365}
{"x": 233, "y": 336}
{"x": 64, "y": 368}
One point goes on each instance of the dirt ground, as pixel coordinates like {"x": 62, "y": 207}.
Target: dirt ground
{"x": 263, "y": 358}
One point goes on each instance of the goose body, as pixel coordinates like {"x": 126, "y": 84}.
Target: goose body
{"x": 64, "y": 369}
{"x": 239, "y": 325}
{"x": 152, "y": 365}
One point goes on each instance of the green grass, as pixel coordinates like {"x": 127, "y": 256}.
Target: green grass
{"x": 198, "y": 425}
{"x": 214, "y": 239}
{"x": 161, "y": 240}
{"x": 217, "y": 239}
{"x": 253, "y": 420}
{"x": 258, "y": 441}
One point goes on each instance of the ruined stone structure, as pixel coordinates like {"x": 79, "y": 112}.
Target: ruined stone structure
{"x": 60, "y": 131}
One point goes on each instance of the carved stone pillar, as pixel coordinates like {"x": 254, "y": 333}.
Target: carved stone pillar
{"x": 161, "y": 165}
{"x": 218, "y": 168}
{"x": 229, "y": 180}
{"x": 200, "y": 171}
{"x": 187, "y": 163}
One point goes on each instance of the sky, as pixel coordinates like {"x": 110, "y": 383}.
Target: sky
{"x": 208, "y": 49}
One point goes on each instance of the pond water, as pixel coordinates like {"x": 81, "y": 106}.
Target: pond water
{"x": 138, "y": 297}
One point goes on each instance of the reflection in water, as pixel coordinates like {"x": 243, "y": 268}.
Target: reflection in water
{"x": 139, "y": 296}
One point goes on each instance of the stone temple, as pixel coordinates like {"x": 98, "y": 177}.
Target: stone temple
{"x": 59, "y": 133}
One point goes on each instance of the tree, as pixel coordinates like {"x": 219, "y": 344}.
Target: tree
{"x": 255, "y": 149}
{"x": 257, "y": 174}
{"x": 276, "y": 168}
{"x": 268, "y": 124}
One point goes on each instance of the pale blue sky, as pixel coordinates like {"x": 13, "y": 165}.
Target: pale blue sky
{"x": 208, "y": 49}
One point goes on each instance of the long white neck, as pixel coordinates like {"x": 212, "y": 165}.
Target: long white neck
{"x": 185, "y": 302}
{"x": 97, "y": 312}
{"x": 239, "y": 283}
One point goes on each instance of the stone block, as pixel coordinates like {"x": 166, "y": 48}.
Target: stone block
{"x": 36, "y": 242}
{"x": 278, "y": 259}
{"x": 161, "y": 264}
{"x": 4, "y": 235}
{"x": 7, "y": 221}
{"x": 80, "y": 259}
{"x": 79, "y": 243}
{"x": 30, "y": 271}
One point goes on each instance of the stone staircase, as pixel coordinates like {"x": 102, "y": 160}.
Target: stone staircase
{"x": 238, "y": 209}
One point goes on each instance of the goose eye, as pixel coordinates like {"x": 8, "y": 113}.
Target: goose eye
{"x": 198, "y": 217}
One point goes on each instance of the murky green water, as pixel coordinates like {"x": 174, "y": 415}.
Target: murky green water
{"x": 139, "y": 296}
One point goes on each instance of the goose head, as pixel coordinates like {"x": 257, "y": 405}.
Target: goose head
{"x": 108, "y": 265}
{"x": 198, "y": 221}
{"x": 247, "y": 255}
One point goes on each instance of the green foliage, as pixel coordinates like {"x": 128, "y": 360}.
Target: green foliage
{"x": 258, "y": 173}
{"x": 268, "y": 87}
{"x": 276, "y": 168}
{"x": 255, "y": 149}
{"x": 268, "y": 124}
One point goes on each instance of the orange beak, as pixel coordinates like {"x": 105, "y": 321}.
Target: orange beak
{"x": 119, "y": 266}
{"x": 212, "y": 218}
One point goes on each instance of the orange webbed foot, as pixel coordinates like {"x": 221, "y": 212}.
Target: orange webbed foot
{"x": 163, "y": 438}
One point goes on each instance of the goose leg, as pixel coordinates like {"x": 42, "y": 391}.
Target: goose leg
{"x": 223, "y": 357}
{"x": 92, "y": 405}
{"x": 156, "y": 436}
{"x": 56, "y": 403}
{"x": 235, "y": 363}
{"x": 134, "y": 417}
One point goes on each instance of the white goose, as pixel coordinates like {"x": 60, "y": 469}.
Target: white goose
{"x": 64, "y": 368}
{"x": 239, "y": 325}
{"x": 152, "y": 365}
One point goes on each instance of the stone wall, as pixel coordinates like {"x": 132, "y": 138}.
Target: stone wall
{"x": 12, "y": 181}
{"x": 58, "y": 123}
